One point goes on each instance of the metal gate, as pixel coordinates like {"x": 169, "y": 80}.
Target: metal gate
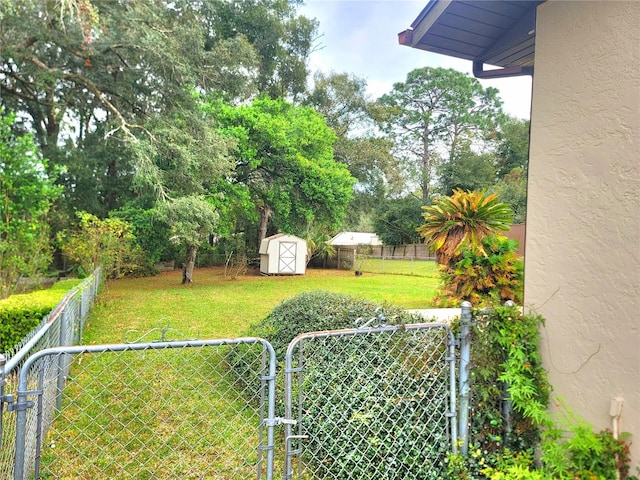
{"x": 149, "y": 410}
{"x": 377, "y": 401}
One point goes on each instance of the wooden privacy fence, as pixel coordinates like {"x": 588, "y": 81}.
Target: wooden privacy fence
{"x": 346, "y": 256}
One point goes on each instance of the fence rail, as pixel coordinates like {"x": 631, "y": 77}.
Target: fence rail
{"x": 62, "y": 327}
{"x": 148, "y": 410}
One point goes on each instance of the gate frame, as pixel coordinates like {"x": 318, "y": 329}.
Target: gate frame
{"x": 380, "y": 327}
{"x": 22, "y": 404}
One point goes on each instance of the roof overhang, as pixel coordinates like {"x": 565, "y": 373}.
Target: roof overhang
{"x": 487, "y": 32}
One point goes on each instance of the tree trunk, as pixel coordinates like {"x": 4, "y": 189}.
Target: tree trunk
{"x": 187, "y": 269}
{"x": 111, "y": 197}
{"x": 426, "y": 167}
{"x": 265, "y": 213}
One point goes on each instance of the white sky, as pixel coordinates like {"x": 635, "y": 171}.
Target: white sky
{"x": 361, "y": 37}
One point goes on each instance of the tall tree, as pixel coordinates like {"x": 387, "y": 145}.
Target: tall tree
{"x": 466, "y": 170}
{"x": 512, "y": 150}
{"x": 397, "y": 220}
{"x": 26, "y": 194}
{"x": 114, "y": 60}
{"x": 512, "y": 190}
{"x": 512, "y": 163}
{"x": 98, "y": 174}
{"x": 281, "y": 40}
{"x": 285, "y": 160}
{"x": 77, "y": 67}
{"x": 432, "y": 114}
{"x": 183, "y": 164}
{"x": 342, "y": 100}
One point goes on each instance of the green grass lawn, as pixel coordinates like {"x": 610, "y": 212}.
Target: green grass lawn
{"x": 218, "y": 307}
{"x": 394, "y": 266}
{"x": 183, "y": 414}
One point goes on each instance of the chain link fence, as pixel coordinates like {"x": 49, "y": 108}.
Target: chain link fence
{"x": 63, "y": 326}
{"x": 153, "y": 410}
{"x": 377, "y": 401}
{"x": 371, "y": 403}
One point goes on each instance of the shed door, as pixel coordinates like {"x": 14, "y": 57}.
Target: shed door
{"x": 287, "y": 257}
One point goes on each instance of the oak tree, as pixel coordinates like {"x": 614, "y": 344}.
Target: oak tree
{"x": 285, "y": 160}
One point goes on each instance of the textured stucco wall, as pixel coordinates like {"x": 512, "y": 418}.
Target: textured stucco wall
{"x": 582, "y": 269}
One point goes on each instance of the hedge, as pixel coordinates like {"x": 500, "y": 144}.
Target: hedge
{"x": 21, "y": 313}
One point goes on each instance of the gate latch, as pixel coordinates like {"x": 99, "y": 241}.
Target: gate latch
{"x": 274, "y": 422}
{"x": 17, "y": 406}
{"x": 13, "y": 406}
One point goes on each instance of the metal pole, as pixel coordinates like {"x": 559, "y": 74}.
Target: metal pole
{"x": 39, "y": 423}
{"x": 3, "y": 362}
{"x": 21, "y": 428}
{"x": 262, "y": 400}
{"x": 507, "y": 406}
{"x": 452, "y": 390}
{"x": 62, "y": 358}
{"x": 271, "y": 406}
{"x": 465, "y": 357}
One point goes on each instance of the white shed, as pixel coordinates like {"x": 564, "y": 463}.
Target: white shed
{"x": 283, "y": 255}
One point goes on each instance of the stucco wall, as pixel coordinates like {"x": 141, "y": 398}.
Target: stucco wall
{"x": 583, "y": 216}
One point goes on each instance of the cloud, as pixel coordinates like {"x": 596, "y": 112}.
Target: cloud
{"x": 361, "y": 37}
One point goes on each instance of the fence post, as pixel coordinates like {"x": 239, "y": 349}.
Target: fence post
{"x": 507, "y": 405}
{"x": 21, "y": 431}
{"x": 3, "y": 362}
{"x": 463, "y": 386}
{"x": 64, "y": 325}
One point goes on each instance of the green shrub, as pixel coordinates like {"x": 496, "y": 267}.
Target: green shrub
{"x": 581, "y": 455}
{"x": 506, "y": 363}
{"x": 369, "y": 390}
{"x": 150, "y": 235}
{"x": 108, "y": 243}
{"x": 316, "y": 311}
{"x": 20, "y": 314}
{"x": 572, "y": 450}
{"x": 491, "y": 276}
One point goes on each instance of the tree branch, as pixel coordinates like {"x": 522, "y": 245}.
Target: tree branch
{"x": 125, "y": 126}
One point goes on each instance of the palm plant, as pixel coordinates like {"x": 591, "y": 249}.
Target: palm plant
{"x": 463, "y": 219}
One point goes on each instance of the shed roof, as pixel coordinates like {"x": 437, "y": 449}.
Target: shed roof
{"x": 279, "y": 237}
{"x": 355, "y": 238}
{"x": 491, "y": 32}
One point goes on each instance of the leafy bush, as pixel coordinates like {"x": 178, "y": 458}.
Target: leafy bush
{"x": 505, "y": 364}
{"x": 316, "y": 311}
{"x": 506, "y": 370}
{"x": 489, "y": 277}
{"x": 582, "y": 455}
{"x": 26, "y": 195}
{"x": 461, "y": 221}
{"x": 20, "y": 314}
{"x": 107, "y": 243}
{"x": 374, "y": 405}
{"x": 150, "y": 236}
